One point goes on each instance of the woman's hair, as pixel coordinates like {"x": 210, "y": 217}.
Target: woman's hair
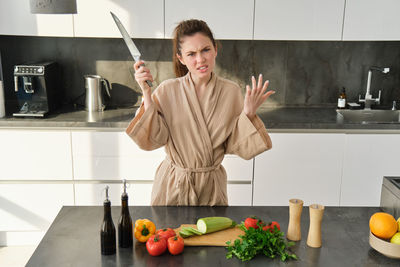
{"x": 187, "y": 28}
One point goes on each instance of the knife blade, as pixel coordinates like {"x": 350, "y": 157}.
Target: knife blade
{"x": 129, "y": 43}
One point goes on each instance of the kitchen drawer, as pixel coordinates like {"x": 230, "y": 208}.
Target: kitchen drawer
{"x": 238, "y": 168}
{"x": 94, "y": 194}
{"x": 239, "y": 194}
{"x": 38, "y": 155}
{"x": 27, "y": 210}
{"x": 103, "y": 144}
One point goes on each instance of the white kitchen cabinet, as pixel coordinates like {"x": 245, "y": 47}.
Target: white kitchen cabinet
{"x": 368, "y": 157}
{"x": 16, "y": 19}
{"x": 142, "y": 19}
{"x": 112, "y": 156}
{"x": 27, "y": 210}
{"x": 372, "y": 20}
{"x": 304, "y": 166}
{"x": 228, "y": 19}
{"x": 298, "y": 20}
{"x": 35, "y": 155}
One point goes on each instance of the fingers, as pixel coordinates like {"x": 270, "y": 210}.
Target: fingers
{"x": 260, "y": 79}
{"x": 138, "y": 64}
{"x": 267, "y": 94}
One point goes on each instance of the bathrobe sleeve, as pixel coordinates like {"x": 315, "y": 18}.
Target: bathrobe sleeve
{"x": 148, "y": 128}
{"x": 248, "y": 138}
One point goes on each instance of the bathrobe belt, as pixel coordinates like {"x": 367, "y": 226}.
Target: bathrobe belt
{"x": 188, "y": 195}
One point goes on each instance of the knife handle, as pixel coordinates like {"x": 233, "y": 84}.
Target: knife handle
{"x": 148, "y": 82}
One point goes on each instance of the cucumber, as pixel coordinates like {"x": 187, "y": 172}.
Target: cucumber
{"x": 213, "y": 224}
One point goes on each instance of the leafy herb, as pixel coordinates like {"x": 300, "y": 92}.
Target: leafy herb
{"x": 257, "y": 241}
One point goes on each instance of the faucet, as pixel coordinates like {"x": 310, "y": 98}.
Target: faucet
{"x": 368, "y": 100}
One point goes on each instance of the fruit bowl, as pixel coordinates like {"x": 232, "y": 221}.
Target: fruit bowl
{"x": 384, "y": 247}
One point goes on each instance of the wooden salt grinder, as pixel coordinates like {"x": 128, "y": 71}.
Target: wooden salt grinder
{"x": 294, "y": 229}
{"x": 314, "y": 232}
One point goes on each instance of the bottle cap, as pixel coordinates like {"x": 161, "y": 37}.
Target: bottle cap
{"x": 124, "y": 194}
{"x": 107, "y": 201}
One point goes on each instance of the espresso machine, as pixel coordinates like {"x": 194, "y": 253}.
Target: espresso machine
{"x": 37, "y": 87}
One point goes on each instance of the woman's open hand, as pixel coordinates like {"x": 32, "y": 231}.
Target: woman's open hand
{"x": 142, "y": 74}
{"x": 255, "y": 96}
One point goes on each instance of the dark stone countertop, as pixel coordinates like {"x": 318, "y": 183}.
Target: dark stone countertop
{"x": 275, "y": 119}
{"x": 73, "y": 239}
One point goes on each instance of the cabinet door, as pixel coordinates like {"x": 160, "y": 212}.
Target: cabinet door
{"x": 298, "y": 20}
{"x": 228, "y": 19}
{"x": 372, "y": 20}
{"x": 112, "y": 155}
{"x": 304, "y": 166}
{"x": 35, "y": 155}
{"x": 16, "y": 19}
{"x": 239, "y": 194}
{"x": 142, "y": 19}
{"x": 27, "y": 210}
{"x": 367, "y": 159}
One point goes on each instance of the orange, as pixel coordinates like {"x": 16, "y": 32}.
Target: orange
{"x": 383, "y": 225}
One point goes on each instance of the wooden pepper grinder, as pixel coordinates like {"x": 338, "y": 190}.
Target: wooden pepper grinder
{"x": 294, "y": 229}
{"x": 314, "y": 232}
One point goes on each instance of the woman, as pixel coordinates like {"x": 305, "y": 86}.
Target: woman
{"x": 198, "y": 117}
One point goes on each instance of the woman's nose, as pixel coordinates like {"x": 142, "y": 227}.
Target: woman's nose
{"x": 200, "y": 57}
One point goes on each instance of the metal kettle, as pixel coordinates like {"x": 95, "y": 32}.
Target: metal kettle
{"x": 94, "y": 94}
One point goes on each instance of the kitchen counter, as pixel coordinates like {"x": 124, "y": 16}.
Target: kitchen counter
{"x": 73, "y": 239}
{"x": 275, "y": 119}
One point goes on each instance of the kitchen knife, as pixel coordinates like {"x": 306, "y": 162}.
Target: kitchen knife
{"x": 129, "y": 43}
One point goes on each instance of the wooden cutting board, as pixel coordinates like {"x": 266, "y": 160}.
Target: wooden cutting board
{"x": 218, "y": 239}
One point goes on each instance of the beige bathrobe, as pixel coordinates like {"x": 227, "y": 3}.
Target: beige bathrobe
{"x": 196, "y": 137}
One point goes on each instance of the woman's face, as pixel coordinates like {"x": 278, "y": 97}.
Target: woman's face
{"x": 198, "y": 54}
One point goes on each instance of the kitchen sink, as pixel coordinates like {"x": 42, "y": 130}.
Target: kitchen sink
{"x": 364, "y": 116}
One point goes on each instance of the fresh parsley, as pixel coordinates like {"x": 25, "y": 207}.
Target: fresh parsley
{"x": 257, "y": 241}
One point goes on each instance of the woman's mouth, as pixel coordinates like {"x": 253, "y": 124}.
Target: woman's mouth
{"x": 203, "y": 69}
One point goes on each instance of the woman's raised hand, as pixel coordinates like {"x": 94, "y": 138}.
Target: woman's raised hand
{"x": 255, "y": 96}
{"x": 142, "y": 74}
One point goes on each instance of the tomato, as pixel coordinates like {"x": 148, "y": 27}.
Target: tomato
{"x": 175, "y": 245}
{"x": 271, "y": 226}
{"x": 252, "y": 222}
{"x": 156, "y": 245}
{"x": 166, "y": 233}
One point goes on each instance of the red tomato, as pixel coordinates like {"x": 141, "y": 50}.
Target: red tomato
{"x": 252, "y": 222}
{"x": 156, "y": 245}
{"x": 166, "y": 233}
{"x": 271, "y": 226}
{"x": 175, "y": 245}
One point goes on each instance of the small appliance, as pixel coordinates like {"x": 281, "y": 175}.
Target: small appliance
{"x": 94, "y": 94}
{"x": 38, "y": 89}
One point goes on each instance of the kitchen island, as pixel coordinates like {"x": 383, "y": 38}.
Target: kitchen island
{"x": 73, "y": 239}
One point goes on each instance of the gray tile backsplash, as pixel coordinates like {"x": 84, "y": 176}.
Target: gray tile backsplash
{"x": 303, "y": 73}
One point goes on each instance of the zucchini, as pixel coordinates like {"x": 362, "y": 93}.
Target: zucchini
{"x": 213, "y": 224}
{"x": 188, "y": 231}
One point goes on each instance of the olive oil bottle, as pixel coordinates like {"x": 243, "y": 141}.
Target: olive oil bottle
{"x": 107, "y": 232}
{"x": 125, "y": 237}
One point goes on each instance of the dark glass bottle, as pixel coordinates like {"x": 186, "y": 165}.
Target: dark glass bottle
{"x": 125, "y": 238}
{"x": 107, "y": 232}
